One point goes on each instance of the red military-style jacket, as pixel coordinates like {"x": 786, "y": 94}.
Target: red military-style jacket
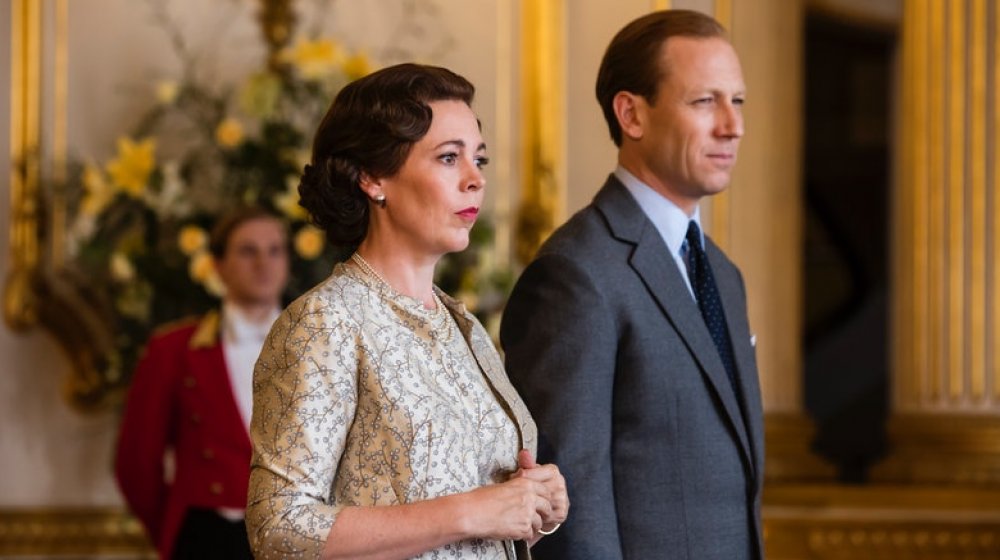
{"x": 180, "y": 399}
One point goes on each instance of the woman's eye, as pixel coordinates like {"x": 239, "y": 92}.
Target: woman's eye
{"x": 482, "y": 161}
{"x": 448, "y": 159}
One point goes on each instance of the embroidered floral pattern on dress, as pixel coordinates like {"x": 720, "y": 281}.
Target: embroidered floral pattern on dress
{"x": 358, "y": 401}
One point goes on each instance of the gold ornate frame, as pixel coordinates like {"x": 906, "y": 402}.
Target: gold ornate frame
{"x": 40, "y": 290}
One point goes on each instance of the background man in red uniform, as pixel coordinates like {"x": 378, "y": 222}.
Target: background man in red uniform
{"x": 190, "y": 401}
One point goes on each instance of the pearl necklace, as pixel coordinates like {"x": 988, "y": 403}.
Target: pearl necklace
{"x": 440, "y": 319}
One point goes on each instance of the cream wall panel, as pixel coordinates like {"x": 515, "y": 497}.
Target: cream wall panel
{"x": 591, "y": 155}
{"x": 765, "y": 196}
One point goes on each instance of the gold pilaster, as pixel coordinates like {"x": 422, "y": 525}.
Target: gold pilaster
{"x": 945, "y": 419}
{"x": 543, "y": 114}
{"x": 994, "y": 370}
{"x": 956, "y": 199}
{"x": 977, "y": 204}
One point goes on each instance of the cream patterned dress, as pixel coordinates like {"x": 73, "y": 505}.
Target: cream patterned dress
{"x": 361, "y": 399}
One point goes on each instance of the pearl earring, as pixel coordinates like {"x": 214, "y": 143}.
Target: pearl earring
{"x": 380, "y": 200}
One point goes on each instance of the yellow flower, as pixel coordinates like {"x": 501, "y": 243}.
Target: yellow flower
{"x": 135, "y": 162}
{"x": 191, "y": 239}
{"x": 214, "y": 285}
{"x": 314, "y": 59}
{"x": 309, "y": 242}
{"x": 201, "y": 266}
{"x": 229, "y": 133}
{"x": 166, "y": 92}
{"x": 98, "y": 193}
{"x": 357, "y": 66}
{"x": 121, "y": 268}
{"x": 288, "y": 201}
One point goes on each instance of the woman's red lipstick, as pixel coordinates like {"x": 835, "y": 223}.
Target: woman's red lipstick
{"x": 469, "y": 213}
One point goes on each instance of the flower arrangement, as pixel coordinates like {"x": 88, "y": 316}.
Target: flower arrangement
{"x": 140, "y": 224}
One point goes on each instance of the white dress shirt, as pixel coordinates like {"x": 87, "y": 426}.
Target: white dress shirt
{"x": 242, "y": 340}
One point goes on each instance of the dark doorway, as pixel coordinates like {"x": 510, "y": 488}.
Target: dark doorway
{"x": 848, "y": 83}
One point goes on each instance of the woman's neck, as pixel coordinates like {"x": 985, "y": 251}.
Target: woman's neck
{"x": 406, "y": 274}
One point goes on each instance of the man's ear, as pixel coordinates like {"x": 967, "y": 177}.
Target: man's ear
{"x": 629, "y": 109}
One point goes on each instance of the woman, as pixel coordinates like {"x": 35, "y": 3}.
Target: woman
{"x": 384, "y": 425}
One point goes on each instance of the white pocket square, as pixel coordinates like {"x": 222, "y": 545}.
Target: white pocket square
{"x": 753, "y": 340}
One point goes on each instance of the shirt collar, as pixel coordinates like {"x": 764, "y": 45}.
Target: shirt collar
{"x": 237, "y": 328}
{"x": 670, "y": 221}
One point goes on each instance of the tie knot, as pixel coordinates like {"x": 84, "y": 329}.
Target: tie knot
{"x": 693, "y": 236}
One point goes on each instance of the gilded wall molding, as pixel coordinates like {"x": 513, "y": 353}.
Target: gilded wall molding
{"x": 20, "y": 304}
{"x": 75, "y": 532}
{"x": 834, "y": 522}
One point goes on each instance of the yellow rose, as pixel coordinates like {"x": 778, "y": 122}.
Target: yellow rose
{"x": 309, "y": 242}
{"x": 135, "y": 162}
{"x": 166, "y": 92}
{"x": 229, "y": 133}
{"x": 191, "y": 239}
{"x": 314, "y": 59}
{"x": 201, "y": 266}
{"x": 357, "y": 66}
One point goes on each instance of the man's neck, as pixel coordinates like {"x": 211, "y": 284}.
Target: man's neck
{"x": 641, "y": 172}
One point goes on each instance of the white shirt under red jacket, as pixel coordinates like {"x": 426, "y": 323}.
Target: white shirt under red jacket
{"x": 189, "y": 399}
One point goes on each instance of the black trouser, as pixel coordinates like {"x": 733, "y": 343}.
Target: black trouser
{"x": 206, "y": 534}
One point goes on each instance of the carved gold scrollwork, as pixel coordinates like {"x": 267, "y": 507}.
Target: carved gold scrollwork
{"x": 277, "y": 22}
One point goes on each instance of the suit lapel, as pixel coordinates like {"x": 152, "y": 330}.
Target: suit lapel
{"x": 734, "y": 301}
{"x": 652, "y": 262}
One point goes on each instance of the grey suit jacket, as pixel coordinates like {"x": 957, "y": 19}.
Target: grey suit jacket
{"x": 609, "y": 350}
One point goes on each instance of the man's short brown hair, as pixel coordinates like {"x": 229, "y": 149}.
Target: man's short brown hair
{"x": 632, "y": 61}
{"x": 218, "y": 240}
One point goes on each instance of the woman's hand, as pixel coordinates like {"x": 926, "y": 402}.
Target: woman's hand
{"x": 555, "y": 485}
{"x": 515, "y": 509}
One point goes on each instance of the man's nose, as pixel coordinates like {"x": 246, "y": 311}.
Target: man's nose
{"x": 730, "y": 123}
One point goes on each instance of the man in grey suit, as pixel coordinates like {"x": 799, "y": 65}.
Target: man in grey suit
{"x": 628, "y": 335}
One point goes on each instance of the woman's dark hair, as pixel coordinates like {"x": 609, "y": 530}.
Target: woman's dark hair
{"x": 369, "y": 129}
{"x": 632, "y": 61}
